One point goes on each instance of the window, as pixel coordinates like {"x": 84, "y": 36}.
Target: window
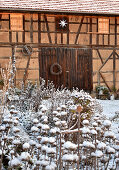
{"x": 16, "y": 22}
{"x": 62, "y": 23}
{"x": 103, "y": 25}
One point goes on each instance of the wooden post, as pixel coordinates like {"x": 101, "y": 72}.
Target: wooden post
{"x": 114, "y": 68}
{"x": 23, "y": 33}
{"x": 39, "y": 28}
{"x": 10, "y": 33}
{"x": 115, "y": 31}
{"x": 39, "y": 41}
{"x": 97, "y": 35}
{"x": 114, "y": 57}
{"x": 90, "y": 31}
{"x": 79, "y": 109}
{"x": 17, "y": 37}
{"x": 109, "y": 34}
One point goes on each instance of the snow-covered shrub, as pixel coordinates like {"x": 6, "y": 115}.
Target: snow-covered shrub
{"x": 97, "y": 147}
{"x": 89, "y": 105}
{"x": 35, "y": 130}
{"x": 35, "y": 100}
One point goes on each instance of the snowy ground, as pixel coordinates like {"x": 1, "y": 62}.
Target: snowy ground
{"x": 111, "y": 111}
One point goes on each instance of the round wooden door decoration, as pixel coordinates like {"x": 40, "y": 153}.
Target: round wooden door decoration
{"x": 58, "y": 67}
{"x": 27, "y": 50}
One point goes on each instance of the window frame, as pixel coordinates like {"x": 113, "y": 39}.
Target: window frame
{"x": 16, "y": 22}
{"x": 57, "y": 23}
{"x": 103, "y": 25}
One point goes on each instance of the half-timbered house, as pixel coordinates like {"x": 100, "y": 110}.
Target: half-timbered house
{"x": 71, "y": 42}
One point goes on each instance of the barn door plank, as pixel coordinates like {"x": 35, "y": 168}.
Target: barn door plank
{"x": 84, "y": 69}
{"x": 76, "y": 67}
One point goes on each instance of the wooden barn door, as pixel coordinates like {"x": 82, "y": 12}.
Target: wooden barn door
{"x": 73, "y": 67}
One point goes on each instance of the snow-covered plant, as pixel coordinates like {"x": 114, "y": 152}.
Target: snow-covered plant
{"x": 102, "y": 90}
{"x": 40, "y": 124}
{"x": 8, "y": 75}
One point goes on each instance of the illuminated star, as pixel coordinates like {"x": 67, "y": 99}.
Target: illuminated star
{"x": 62, "y": 23}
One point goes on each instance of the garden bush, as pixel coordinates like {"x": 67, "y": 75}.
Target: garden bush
{"x": 39, "y": 125}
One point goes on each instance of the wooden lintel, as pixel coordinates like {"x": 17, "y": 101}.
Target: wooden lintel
{"x": 36, "y": 45}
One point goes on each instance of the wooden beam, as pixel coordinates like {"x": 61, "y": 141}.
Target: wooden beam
{"x": 104, "y": 81}
{"x": 10, "y": 33}
{"x": 103, "y": 39}
{"x": 79, "y": 30}
{"x": 39, "y": 41}
{"x": 68, "y": 37}
{"x": 35, "y": 45}
{"x": 55, "y": 33}
{"x": 106, "y": 61}
{"x": 17, "y": 37}
{"x": 4, "y": 19}
{"x": 31, "y": 28}
{"x": 23, "y": 34}
{"x": 39, "y": 28}
{"x": 90, "y": 30}
{"x": 109, "y": 39}
{"x": 48, "y": 31}
{"x": 100, "y": 56}
{"x": 115, "y": 31}
{"x": 109, "y": 34}
{"x": 114, "y": 68}
{"x": 97, "y": 35}
{"x": 116, "y": 54}
{"x": 62, "y": 37}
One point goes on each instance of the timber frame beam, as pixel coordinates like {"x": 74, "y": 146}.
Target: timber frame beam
{"x": 39, "y": 30}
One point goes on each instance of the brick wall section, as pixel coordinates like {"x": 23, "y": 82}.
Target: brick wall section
{"x": 80, "y": 6}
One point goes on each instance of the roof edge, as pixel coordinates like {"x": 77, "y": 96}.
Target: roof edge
{"x": 56, "y": 11}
